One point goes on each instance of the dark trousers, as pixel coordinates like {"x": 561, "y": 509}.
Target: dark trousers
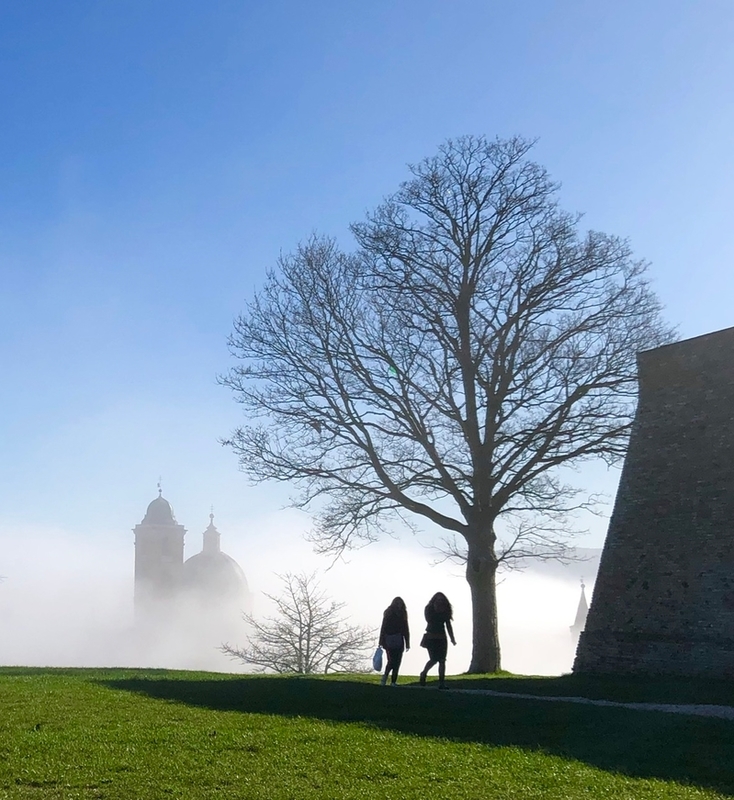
{"x": 437, "y": 655}
{"x": 394, "y": 659}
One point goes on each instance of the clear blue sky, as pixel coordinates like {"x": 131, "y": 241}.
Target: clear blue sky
{"x": 156, "y": 156}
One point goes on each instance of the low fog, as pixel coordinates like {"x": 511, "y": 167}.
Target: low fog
{"x": 67, "y": 599}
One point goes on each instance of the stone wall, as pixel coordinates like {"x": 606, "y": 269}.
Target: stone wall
{"x": 663, "y": 601}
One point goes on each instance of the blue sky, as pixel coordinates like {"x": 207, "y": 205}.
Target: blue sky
{"x": 155, "y": 157}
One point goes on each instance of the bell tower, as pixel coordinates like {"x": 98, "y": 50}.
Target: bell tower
{"x": 159, "y": 550}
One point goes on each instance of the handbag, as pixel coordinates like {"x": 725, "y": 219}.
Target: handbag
{"x": 377, "y": 660}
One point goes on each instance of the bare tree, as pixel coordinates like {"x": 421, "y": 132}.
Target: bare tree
{"x": 474, "y": 343}
{"x": 308, "y": 634}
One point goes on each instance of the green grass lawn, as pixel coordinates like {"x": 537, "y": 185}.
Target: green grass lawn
{"x": 157, "y": 734}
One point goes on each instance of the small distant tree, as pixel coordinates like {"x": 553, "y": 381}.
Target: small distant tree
{"x": 308, "y": 635}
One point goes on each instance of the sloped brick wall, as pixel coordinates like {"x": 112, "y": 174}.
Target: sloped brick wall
{"x": 663, "y": 601}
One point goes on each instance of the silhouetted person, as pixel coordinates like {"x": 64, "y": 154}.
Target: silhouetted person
{"x": 394, "y": 637}
{"x": 438, "y": 618}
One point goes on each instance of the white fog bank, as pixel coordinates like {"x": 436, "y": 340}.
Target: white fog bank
{"x": 67, "y": 600}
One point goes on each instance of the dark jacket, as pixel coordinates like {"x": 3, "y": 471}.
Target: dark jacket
{"x": 437, "y": 624}
{"x": 394, "y": 625}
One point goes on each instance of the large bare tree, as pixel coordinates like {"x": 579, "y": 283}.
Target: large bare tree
{"x": 473, "y": 343}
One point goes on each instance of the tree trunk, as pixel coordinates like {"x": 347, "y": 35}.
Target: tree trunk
{"x": 481, "y": 571}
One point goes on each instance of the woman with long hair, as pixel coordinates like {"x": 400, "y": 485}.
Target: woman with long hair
{"x": 394, "y": 637}
{"x": 438, "y": 622}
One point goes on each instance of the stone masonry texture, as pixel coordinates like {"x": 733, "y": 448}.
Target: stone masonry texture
{"x": 663, "y": 602}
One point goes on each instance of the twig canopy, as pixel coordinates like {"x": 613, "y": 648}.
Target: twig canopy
{"x": 472, "y": 343}
{"x": 309, "y": 633}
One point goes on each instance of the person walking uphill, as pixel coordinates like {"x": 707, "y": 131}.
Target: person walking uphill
{"x": 438, "y": 618}
{"x": 394, "y": 637}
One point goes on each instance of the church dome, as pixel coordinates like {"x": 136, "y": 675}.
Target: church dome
{"x": 159, "y": 513}
{"x": 213, "y": 575}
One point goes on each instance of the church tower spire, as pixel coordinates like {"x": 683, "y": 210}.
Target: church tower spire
{"x": 211, "y": 537}
{"x": 581, "y": 612}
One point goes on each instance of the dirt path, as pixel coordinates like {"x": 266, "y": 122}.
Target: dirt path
{"x": 701, "y": 710}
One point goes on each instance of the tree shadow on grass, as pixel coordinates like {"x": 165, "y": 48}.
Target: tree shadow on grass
{"x": 690, "y": 750}
{"x": 621, "y": 688}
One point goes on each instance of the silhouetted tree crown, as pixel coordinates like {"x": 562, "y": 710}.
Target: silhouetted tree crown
{"x": 472, "y": 343}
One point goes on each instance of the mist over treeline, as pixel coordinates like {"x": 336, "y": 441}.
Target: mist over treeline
{"x": 67, "y": 599}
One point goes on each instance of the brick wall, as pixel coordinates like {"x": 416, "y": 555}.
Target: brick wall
{"x": 663, "y": 601}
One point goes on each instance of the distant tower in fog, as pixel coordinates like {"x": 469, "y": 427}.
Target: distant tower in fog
{"x": 581, "y": 612}
{"x": 210, "y": 583}
{"x": 159, "y": 549}
{"x": 211, "y": 577}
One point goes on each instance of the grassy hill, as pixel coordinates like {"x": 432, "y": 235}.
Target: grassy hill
{"x": 155, "y": 734}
